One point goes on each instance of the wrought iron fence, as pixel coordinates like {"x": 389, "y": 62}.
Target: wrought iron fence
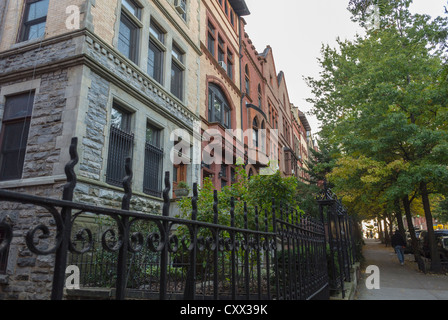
{"x": 281, "y": 256}
{"x": 340, "y": 239}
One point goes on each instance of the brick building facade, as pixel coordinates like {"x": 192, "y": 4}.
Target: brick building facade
{"x": 122, "y": 76}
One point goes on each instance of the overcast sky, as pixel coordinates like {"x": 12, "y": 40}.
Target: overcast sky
{"x": 296, "y": 30}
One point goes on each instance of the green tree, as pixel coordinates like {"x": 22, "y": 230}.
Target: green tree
{"x": 382, "y": 96}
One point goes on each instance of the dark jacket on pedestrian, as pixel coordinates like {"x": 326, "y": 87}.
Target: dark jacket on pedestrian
{"x": 397, "y": 240}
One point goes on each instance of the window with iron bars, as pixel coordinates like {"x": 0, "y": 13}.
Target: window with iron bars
{"x": 121, "y": 142}
{"x": 152, "y": 180}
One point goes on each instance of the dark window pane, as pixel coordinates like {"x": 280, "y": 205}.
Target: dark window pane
{"x": 127, "y": 38}
{"x": 132, "y": 7}
{"x": 152, "y": 135}
{"x": 14, "y": 135}
{"x": 13, "y": 149}
{"x": 176, "y": 80}
{"x": 152, "y": 180}
{"x": 155, "y": 62}
{"x": 124, "y": 39}
{"x": 18, "y": 106}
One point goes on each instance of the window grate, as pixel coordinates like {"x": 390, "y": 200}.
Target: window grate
{"x": 120, "y": 148}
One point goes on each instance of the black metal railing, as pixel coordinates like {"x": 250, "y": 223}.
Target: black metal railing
{"x": 278, "y": 254}
{"x": 152, "y": 180}
{"x": 341, "y": 252}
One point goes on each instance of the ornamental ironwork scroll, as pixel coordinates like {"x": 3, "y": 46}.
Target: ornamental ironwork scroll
{"x": 277, "y": 254}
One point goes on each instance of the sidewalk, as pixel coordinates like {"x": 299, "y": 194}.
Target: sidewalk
{"x": 398, "y": 282}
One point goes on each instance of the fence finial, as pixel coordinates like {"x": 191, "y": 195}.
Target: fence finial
{"x": 166, "y": 195}
{"x": 69, "y": 187}
{"x": 126, "y": 201}
{"x": 194, "y": 202}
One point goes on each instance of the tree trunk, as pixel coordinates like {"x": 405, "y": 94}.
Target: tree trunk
{"x": 399, "y": 216}
{"x": 414, "y": 241}
{"x": 436, "y": 265}
{"x": 386, "y": 232}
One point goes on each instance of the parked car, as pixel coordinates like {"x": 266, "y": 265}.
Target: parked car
{"x": 424, "y": 242}
{"x": 442, "y": 248}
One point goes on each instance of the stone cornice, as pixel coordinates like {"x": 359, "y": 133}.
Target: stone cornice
{"x": 89, "y": 50}
{"x": 120, "y": 70}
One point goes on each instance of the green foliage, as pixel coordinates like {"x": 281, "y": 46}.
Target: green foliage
{"x": 182, "y": 185}
{"x": 383, "y": 101}
{"x": 257, "y": 192}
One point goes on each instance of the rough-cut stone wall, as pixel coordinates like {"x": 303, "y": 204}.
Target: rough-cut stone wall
{"x": 95, "y": 121}
{"x": 28, "y": 276}
{"x": 46, "y": 125}
{"x": 49, "y": 70}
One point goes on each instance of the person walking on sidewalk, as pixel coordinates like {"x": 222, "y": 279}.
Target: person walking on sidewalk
{"x": 398, "y": 243}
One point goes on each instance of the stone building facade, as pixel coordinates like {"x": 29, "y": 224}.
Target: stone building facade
{"x": 120, "y": 75}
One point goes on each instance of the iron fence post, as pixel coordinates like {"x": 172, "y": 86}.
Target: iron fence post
{"x": 123, "y": 252}
{"x": 233, "y": 248}
{"x": 274, "y": 226}
{"x": 190, "y": 290}
{"x": 66, "y": 215}
{"x": 165, "y": 238}
{"x": 246, "y": 248}
{"x": 216, "y": 248}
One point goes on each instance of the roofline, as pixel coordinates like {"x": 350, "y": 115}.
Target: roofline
{"x": 240, "y": 7}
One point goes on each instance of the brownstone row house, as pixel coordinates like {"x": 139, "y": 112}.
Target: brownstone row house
{"x": 123, "y": 76}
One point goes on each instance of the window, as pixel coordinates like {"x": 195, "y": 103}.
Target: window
{"x": 129, "y": 30}
{"x": 34, "y": 19}
{"x": 223, "y": 175}
{"x": 221, "y": 51}
{"x": 260, "y": 98}
{"x": 156, "y": 52}
{"x": 152, "y": 180}
{"x": 181, "y": 7}
{"x": 255, "y": 132}
{"x": 177, "y": 72}
{"x": 263, "y": 136}
{"x": 132, "y": 7}
{"x": 247, "y": 79}
{"x": 14, "y": 135}
{"x": 121, "y": 142}
{"x": 230, "y": 64}
{"x": 218, "y": 107}
{"x": 211, "y": 38}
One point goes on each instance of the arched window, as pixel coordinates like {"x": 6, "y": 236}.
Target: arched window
{"x": 255, "y": 132}
{"x": 218, "y": 107}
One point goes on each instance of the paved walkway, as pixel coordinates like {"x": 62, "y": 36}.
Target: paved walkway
{"x": 398, "y": 282}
